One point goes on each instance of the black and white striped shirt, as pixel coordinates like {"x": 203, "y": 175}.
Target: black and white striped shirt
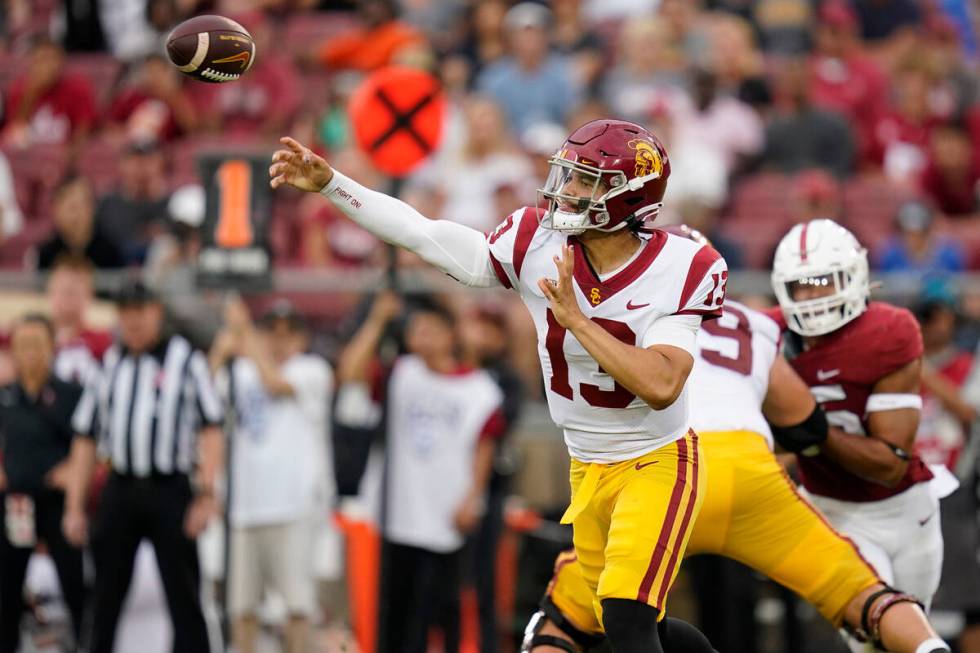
{"x": 145, "y": 409}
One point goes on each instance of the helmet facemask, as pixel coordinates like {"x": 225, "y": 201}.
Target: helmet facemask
{"x": 822, "y": 315}
{"x": 573, "y": 214}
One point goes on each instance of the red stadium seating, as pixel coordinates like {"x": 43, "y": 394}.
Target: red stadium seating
{"x": 316, "y": 89}
{"x": 870, "y": 203}
{"x": 37, "y": 171}
{"x": 14, "y": 252}
{"x": 99, "y": 158}
{"x": 303, "y": 33}
{"x": 184, "y": 153}
{"x": 759, "y": 215}
{"x": 966, "y": 231}
{"x": 11, "y": 66}
{"x": 102, "y": 70}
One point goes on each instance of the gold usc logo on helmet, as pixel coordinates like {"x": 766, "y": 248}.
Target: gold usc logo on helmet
{"x": 647, "y": 159}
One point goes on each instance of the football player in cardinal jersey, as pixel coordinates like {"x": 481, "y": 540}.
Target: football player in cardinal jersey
{"x": 862, "y": 361}
{"x": 747, "y": 394}
{"x": 617, "y": 314}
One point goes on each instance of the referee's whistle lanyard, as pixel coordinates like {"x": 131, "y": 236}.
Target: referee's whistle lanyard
{"x": 584, "y": 493}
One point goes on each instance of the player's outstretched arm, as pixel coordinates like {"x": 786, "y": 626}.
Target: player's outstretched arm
{"x": 459, "y": 251}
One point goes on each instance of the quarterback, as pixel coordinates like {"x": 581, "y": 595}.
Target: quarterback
{"x": 617, "y": 313}
{"x": 747, "y": 395}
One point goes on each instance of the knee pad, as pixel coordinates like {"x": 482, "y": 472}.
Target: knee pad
{"x": 584, "y": 639}
{"x": 678, "y": 636}
{"x": 631, "y": 625}
{"x": 533, "y": 638}
{"x": 874, "y": 609}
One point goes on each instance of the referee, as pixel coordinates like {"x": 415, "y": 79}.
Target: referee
{"x": 152, "y": 403}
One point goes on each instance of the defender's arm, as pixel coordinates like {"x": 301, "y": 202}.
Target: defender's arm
{"x": 893, "y": 419}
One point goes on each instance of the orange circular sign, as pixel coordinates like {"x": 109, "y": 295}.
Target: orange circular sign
{"x": 397, "y": 115}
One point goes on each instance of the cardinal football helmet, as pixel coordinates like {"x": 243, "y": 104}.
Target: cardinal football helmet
{"x": 820, "y": 277}
{"x": 608, "y": 174}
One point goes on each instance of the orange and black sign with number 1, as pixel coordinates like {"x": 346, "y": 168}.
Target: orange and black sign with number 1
{"x": 234, "y": 228}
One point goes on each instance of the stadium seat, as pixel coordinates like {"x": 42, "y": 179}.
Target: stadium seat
{"x": 284, "y": 231}
{"x": 99, "y": 158}
{"x": 311, "y": 304}
{"x": 966, "y": 231}
{"x": 11, "y": 66}
{"x": 36, "y": 172}
{"x": 102, "y": 70}
{"x": 759, "y": 215}
{"x": 184, "y": 153}
{"x": 304, "y": 32}
{"x": 316, "y": 89}
{"x": 870, "y": 203}
{"x": 13, "y": 252}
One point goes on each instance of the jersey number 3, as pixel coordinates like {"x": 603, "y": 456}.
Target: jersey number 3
{"x": 618, "y": 397}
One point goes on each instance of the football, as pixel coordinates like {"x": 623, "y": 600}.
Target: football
{"x": 211, "y": 48}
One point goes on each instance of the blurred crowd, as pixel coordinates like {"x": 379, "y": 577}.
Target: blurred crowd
{"x": 772, "y": 112}
{"x": 403, "y": 457}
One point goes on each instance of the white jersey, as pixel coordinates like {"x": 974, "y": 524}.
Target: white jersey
{"x": 602, "y": 421}
{"x": 434, "y": 423}
{"x": 282, "y": 460}
{"x": 659, "y": 297}
{"x": 76, "y": 363}
{"x": 730, "y": 378}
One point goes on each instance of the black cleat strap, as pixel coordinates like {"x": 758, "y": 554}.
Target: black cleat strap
{"x": 551, "y": 640}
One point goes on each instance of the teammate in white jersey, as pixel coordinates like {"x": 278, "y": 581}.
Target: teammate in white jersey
{"x": 616, "y": 336}
{"x": 752, "y": 512}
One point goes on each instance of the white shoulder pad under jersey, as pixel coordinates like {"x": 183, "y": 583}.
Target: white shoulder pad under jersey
{"x": 730, "y": 378}
{"x": 669, "y": 275}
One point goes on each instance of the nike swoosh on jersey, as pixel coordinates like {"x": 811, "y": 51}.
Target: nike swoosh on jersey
{"x": 829, "y": 374}
{"x": 640, "y": 466}
{"x": 630, "y": 306}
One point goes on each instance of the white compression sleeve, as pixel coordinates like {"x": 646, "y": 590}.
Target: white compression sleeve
{"x": 459, "y": 251}
{"x": 676, "y": 330}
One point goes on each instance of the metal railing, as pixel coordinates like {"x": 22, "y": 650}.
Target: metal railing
{"x": 898, "y": 287}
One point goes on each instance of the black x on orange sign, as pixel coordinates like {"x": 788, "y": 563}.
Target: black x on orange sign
{"x": 397, "y": 115}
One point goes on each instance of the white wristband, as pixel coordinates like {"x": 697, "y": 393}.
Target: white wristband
{"x": 892, "y": 401}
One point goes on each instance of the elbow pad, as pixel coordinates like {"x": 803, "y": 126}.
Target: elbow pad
{"x": 798, "y": 438}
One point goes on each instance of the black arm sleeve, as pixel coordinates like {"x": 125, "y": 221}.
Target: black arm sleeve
{"x": 799, "y": 437}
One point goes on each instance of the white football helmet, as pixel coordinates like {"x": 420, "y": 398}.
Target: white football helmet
{"x": 813, "y": 258}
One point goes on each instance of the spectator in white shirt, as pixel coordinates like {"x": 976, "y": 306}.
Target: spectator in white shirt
{"x": 468, "y": 173}
{"x": 709, "y": 120}
{"x": 442, "y": 423}
{"x": 11, "y": 219}
{"x": 279, "y": 481}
